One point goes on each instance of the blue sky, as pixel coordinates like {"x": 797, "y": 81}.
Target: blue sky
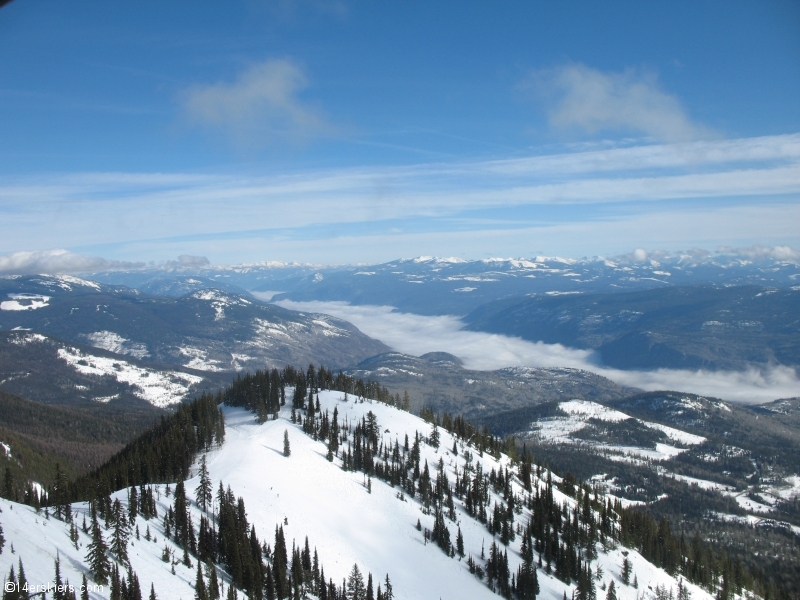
{"x": 338, "y": 132}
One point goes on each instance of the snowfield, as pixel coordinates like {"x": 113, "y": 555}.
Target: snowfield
{"x": 25, "y": 302}
{"x": 159, "y": 388}
{"x": 558, "y": 430}
{"x": 113, "y": 342}
{"x": 313, "y": 497}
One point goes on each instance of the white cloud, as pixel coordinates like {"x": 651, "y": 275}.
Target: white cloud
{"x": 784, "y": 253}
{"x": 189, "y": 261}
{"x": 417, "y": 334}
{"x": 596, "y": 101}
{"x": 728, "y": 190}
{"x": 260, "y": 106}
{"x": 56, "y": 261}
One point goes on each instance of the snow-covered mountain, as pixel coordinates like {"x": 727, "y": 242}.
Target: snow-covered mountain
{"x": 723, "y": 465}
{"x": 347, "y": 518}
{"x": 45, "y": 369}
{"x": 208, "y": 329}
{"x": 431, "y": 285}
{"x": 435, "y": 286}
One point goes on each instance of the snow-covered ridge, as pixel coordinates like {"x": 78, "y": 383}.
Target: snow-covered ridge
{"x": 159, "y": 388}
{"x": 345, "y": 520}
{"x": 66, "y": 282}
{"x": 560, "y": 430}
{"x": 220, "y": 301}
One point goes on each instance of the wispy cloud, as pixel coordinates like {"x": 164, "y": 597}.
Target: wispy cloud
{"x": 262, "y": 105}
{"x": 706, "y": 194}
{"x": 57, "y": 261}
{"x": 417, "y": 334}
{"x": 595, "y": 101}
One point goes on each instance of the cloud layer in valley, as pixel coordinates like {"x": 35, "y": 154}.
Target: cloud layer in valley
{"x": 416, "y": 335}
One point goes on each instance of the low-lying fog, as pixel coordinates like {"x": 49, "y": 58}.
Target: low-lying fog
{"x": 416, "y": 334}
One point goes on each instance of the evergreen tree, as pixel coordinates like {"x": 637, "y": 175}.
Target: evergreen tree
{"x": 625, "y": 575}
{"x": 286, "y": 449}
{"x": 434, "y": 438}
{"x": 611, "y": 594}
{"x": 59, "y": 494}
{"x": 388, "y": 594}
{"x": 58, "y": 594}
{"x": 85, "y": 588}
{"x": 8, "y": 485}
{"x": 121, "y": 532}
{"x": 153, "y": 592}
{"x": 2, "y": 539}
{"x": 355, "y": 585}
{"x": 213, "y": 583}
{"x": 200, "y": 591}
{"x": 96, "y": 558}
{"x": 203, "y": 491}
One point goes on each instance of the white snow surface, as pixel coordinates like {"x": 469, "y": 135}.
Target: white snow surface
{"x": 25, "y": 302}
{"x": 219, "y": 301}
{"x": 332, "y": 507}
{"x": 557, "y": 430}
{"x": 113, "y": 342}
{"x": 159, "y": 388}
{"x": 26, "y": 338}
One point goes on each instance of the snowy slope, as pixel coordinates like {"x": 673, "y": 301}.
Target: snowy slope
{"x": 316, "y": 498}
{"x": 579, "y": 413}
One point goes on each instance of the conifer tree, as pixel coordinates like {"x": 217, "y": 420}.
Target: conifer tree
{"x": 286, "y": 449}
{"x": 213, "y": 583}
{"x": 121, "y": 532}
{"x": 625, "y": 575}
{"x": 85, "y": 588}
{"x": 59, "y": 583}
{"x": 200, "y": 591}
{"x": 153, "y": 592}
{"x": 96, "y": 558}
{"x": 434, "y": 438}
{"x": 611, "y": 594}
{"x": 355, "y": 584}
{"x": 59, "y": 494}
{"x": 370, "y": 595}
{"x": 2, "y": 539}
{"x": 203, "y": 491}
{"x": 388, "y": 594}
